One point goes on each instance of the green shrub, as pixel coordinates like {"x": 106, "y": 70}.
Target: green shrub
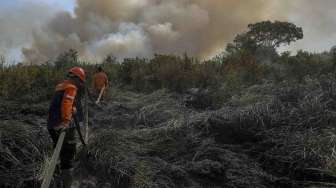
{"x": 233, "y": 72}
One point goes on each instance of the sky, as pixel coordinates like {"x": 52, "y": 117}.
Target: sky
{"x": 38, "y": 30}
{"x": 56, "y": 4}
{"x": 18, "y": 18}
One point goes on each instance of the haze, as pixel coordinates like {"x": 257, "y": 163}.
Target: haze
{"x": 38, "y": 30}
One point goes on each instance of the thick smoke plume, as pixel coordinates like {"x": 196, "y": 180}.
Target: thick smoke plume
{"x": 318, "y": 21}
{"x": 129, "y": 28}
{"x": 16, "y": 24}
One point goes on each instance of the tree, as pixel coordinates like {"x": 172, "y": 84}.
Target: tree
{"x": 333, "y": 51}
{"x": 2, "y": 61}
{"x": 333, "y": 56}
{"x": 67, "y": 59}
{"x": 274, "y": 34}
{"x": 110, "y": 59}
{"x": 265, "y": 35}
{"x": 242, "y": 42}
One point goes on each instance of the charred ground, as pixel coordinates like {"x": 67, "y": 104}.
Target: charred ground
{"x": 178, "y": 122}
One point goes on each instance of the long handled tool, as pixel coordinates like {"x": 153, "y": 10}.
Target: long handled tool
{"x": 100, "y": 94}
{"x": 53, "y": 162}
{"x": 86, "y": 117}
{"x": 89, "y": 98}
{"x": 79, "y": 131}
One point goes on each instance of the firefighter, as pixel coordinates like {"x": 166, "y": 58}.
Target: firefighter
{"x": 99, "y": 81}
{"x": 64, "y": 107}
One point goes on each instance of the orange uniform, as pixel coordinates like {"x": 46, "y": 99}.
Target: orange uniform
{"x": 63, "y": 104}
{"x": 99, "y": 81}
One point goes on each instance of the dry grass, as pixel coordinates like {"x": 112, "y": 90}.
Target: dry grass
{"x": 22, "y": 152}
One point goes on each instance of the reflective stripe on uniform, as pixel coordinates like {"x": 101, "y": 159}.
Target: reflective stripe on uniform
{"x": 70, "y": 97}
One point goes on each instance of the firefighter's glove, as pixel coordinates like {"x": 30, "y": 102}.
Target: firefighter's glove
{"x": 64, "y": 126}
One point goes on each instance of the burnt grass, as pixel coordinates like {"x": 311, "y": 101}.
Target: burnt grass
{"x": 270, "y": 135}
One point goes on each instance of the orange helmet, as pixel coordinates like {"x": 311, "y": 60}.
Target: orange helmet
{"x": 79, "y": 72}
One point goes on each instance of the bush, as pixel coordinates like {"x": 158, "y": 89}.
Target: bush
{"x": 234, "y": 72}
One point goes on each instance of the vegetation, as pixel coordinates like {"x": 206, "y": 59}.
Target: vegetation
{"x": 244, "y": 118}
{"x": 267, "y": 35}
{"x": 224, "y": 75}
{"x": 22, "y": 153}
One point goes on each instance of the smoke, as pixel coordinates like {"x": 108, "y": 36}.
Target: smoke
{"x": 130, "y": 40}
{"x": 143, "y": 27}
{"x": 130, "y": 28}
{"x": 17, "y": 23}
{"x": 318, "y": 21}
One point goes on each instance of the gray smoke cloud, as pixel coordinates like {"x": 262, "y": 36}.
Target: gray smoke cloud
{"x": 17, "y": 24}
{"x": 130, "y": 28}
{"x": 143, "y": 27}
{"x": 318, "y": 21}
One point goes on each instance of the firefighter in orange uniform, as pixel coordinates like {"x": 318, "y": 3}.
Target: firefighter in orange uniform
{"x": 99, "y": 81}
{"x": 64, "y": 107}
